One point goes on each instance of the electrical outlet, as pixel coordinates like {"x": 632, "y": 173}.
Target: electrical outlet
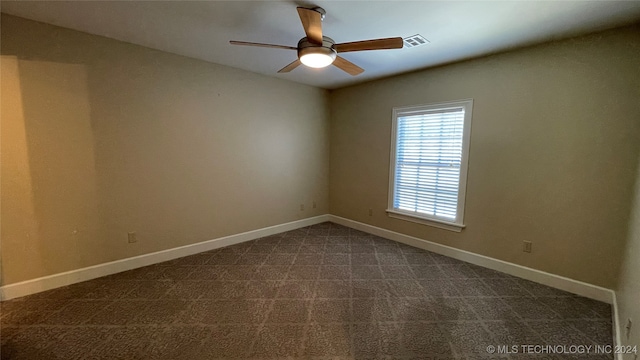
{"x": 301, "y": 207}
{"x": 526, "y": 246}
{"x": 370, "y": 212}
{"x": 628, "y": 327}
{"x": 132, "y": 237}
{"x": 314, "y": 205}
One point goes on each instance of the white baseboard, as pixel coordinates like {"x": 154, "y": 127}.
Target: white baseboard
{"x": 33, "y": 286}
{"x": 541, "y": 277}
{"x": 617, "y": 340}
{"x": 71, "y": 277}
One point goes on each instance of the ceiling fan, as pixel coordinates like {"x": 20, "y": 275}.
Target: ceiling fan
{"x": 318, "y": 51}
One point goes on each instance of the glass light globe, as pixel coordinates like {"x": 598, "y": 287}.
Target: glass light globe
{"x": 318, "y": 59}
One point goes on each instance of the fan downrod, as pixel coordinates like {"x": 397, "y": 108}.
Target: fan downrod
{"x": 320, "y": 10}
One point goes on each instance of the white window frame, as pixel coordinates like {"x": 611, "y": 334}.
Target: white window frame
{"x": 458, "y": 223}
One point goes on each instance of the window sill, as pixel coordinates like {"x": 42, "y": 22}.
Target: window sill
{"x": 420, "y": 220}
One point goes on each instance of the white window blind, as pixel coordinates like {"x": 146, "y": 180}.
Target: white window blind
{"x": 429, "y": 162}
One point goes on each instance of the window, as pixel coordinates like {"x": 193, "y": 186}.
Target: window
{"x": 429, "y": 153}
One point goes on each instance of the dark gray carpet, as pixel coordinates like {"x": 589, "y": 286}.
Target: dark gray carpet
{"x": 325, "y": 291}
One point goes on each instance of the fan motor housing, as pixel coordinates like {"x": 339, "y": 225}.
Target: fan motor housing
{"x": 307, "y": 47}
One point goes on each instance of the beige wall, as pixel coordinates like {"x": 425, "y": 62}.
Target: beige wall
{"x": 553, "y": 154}
{"x": 628, "y": 290}
{"x": 101, "y": 137}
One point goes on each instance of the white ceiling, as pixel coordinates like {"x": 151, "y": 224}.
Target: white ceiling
{"x": 456, "y": 30}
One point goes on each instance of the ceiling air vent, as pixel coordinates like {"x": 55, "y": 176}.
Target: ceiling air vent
{"x": 415, "y": 40}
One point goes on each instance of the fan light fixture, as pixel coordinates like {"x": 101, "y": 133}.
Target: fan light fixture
{"x": 316, "y": 56}
{"x": 318, "y": 60}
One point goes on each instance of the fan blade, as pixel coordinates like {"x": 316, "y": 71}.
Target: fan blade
{"x": 376, "y": 44}
{"x": 232, "y": 42}
{"x": 312, "y": 24}
{"x": 290, "y": 67}
{"x": 347, "y": 66}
